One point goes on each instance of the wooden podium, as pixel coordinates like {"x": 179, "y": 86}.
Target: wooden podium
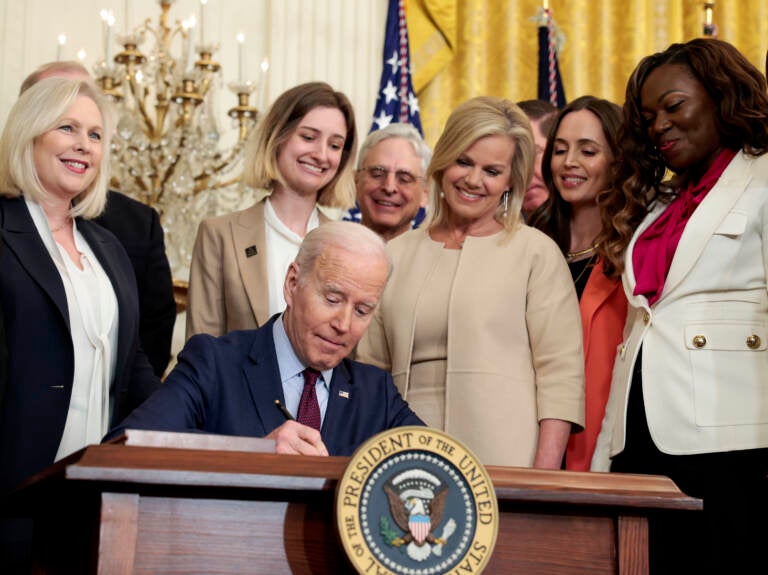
{"x": 123, "y": 509}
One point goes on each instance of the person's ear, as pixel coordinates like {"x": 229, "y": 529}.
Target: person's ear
{"x": 291, "y": 283}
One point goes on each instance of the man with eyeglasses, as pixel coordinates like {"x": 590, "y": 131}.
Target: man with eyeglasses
{"x": 390, "y": 179}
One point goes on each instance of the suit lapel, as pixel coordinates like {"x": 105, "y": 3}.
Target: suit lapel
{"x": 249, "y": 238}
{"x": 340, "y": 395}
{"x": 263, "y": 376}
{"x": 706, "y": 219}
{"x": 597, "y": 291}
{"x": 106, "y": 251}
{"x": 628, "y": 277}
{"x": 21, "y": 237}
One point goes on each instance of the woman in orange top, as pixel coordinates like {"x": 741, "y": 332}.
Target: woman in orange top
{"x": 578, "y": 167}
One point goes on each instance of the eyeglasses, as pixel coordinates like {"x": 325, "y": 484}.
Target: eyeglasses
{"x": 402, "y": 177}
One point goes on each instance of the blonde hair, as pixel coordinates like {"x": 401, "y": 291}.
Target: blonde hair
{"x": 474, "y": 119}
{"x": 260, "y": 166}
{"x": 37, "y": 111}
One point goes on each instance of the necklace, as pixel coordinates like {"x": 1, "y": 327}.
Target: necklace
{"x": 570, "y": 256}
{"x": 62, "y": 225}
{"x": 587, "y": 266}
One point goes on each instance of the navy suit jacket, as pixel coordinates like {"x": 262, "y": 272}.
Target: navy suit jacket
{"x": 41, "y": 354}
{"x": 228, "y": 385}
{"x": 137, "y": 226}
{"x": 3, "y": 348}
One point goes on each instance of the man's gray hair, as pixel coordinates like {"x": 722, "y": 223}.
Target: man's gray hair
{"x": 348, "y": 236}
{"x": 398, "y": 130}
{"x": 67, "y": 68}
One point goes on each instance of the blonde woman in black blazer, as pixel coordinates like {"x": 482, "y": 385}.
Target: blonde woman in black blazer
{"x": 67, "y": 289}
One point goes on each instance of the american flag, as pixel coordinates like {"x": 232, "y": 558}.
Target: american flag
{"x": 396, "y": 101}
{"x": 550, "y": 82}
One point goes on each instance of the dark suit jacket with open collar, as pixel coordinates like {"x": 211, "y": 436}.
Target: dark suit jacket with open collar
{"x": 228, "y": 385}
{"x": 138, "y": 228}
{"x": 41, "y": 355}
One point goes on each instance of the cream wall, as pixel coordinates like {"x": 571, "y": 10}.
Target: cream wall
{"x": 338, "y": 41}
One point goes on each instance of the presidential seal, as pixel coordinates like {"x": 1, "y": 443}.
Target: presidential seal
{"x": 416, "y": 501}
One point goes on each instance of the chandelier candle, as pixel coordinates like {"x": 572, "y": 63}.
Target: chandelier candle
{"x": 202, "y": 21}
{"x": 240, "y": 58}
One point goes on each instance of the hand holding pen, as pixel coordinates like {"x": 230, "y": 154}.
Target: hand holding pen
{"x": 295, "y": 438}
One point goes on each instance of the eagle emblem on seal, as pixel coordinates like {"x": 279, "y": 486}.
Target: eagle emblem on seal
{"x": 416, "y": 503}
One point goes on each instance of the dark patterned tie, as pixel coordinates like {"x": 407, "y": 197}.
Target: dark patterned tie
{"x": 309, "y": 409}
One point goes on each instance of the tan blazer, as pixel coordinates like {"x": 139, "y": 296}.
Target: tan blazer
{"x": 228, "y": 274}
{"x": 514, "y": 338}
{"x": 705, "y": 340}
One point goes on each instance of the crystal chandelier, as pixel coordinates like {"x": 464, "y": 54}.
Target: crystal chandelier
{"x": 166, "y": 150}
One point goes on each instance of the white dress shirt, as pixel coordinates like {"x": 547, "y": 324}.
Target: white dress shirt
{"x": 282, "y": 247}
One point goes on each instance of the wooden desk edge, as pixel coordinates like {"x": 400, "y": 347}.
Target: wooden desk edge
{"x": 238, "y": 469}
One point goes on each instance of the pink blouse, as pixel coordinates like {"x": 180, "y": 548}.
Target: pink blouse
{"x": 655, "y": 248}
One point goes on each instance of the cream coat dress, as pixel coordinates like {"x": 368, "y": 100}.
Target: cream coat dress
{"x": 514, "y": 350}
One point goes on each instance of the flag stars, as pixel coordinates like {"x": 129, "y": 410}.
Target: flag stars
{"x": 382, "y": 120}
{"x": 389, "y": 92}
{"x": 394, "y": 62}
{"x": 395, "y": 100}
{"x": 413, "y": 103}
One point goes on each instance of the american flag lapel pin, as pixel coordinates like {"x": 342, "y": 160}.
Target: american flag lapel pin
{"x": 344, "y": 394}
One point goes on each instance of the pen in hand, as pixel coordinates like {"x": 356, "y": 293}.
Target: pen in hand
{"x": 284, "y": 411}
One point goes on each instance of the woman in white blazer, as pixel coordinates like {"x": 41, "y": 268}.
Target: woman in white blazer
{"x": 689, "y": 396}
